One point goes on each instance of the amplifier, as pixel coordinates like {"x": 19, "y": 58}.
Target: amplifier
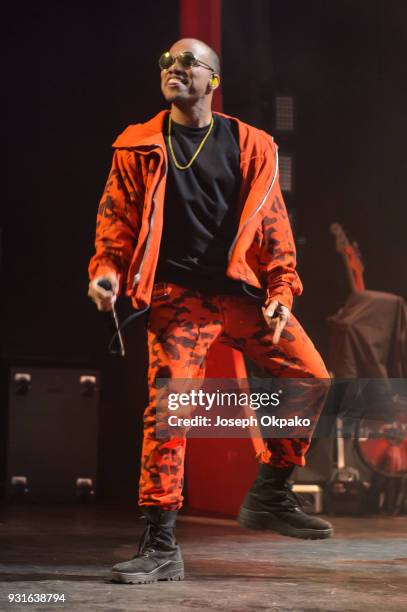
{"x": 51, "y": 448}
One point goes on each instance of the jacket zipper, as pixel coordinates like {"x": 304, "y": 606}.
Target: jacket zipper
{"x": 137, "y": 277}
{"x": 259, "y": 207}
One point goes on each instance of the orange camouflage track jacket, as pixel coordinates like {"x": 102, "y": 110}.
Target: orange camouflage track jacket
{"x": 130, "y": 216}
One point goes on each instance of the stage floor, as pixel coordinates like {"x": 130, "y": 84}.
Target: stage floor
{"x": 70, "y": 551}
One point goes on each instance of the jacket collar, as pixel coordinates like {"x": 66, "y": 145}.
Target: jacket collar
{"x": 143, "y": 134}
{"x": 149, "y": 133}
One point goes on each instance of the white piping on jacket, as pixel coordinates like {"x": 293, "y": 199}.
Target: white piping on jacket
{"x": 260, "y": 206}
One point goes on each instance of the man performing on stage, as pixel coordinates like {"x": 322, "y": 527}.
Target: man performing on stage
{"x": 192, "y": 222}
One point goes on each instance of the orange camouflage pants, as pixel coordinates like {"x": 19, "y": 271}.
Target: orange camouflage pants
{"x": 183, "y": 323}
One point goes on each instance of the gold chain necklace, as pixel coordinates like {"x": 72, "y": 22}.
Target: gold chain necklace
{"x": 195, "y": 155}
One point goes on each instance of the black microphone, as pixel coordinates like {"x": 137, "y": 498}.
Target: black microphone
{"x": 107, "y": 286}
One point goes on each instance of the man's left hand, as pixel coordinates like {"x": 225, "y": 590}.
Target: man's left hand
{"x": 276, "y": 316}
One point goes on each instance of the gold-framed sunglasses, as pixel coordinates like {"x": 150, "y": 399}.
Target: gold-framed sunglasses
{"x": 187, "y": 60}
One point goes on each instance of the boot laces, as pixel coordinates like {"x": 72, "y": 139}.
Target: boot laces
{"x": 293, "y": 499}
{"x": 287, "y": 498}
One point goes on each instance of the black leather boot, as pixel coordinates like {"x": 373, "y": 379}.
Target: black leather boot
{"x": 159, "y": 555}
{"x": 271, "y": 504}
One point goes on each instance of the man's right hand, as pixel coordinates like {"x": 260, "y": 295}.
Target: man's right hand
{"x": 104, "y": 299}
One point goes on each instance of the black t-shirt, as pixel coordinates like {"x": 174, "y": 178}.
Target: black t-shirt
{"x": 201, "y": 207}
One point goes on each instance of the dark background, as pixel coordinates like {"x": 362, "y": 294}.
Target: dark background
{"x": 79, "y": 74}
